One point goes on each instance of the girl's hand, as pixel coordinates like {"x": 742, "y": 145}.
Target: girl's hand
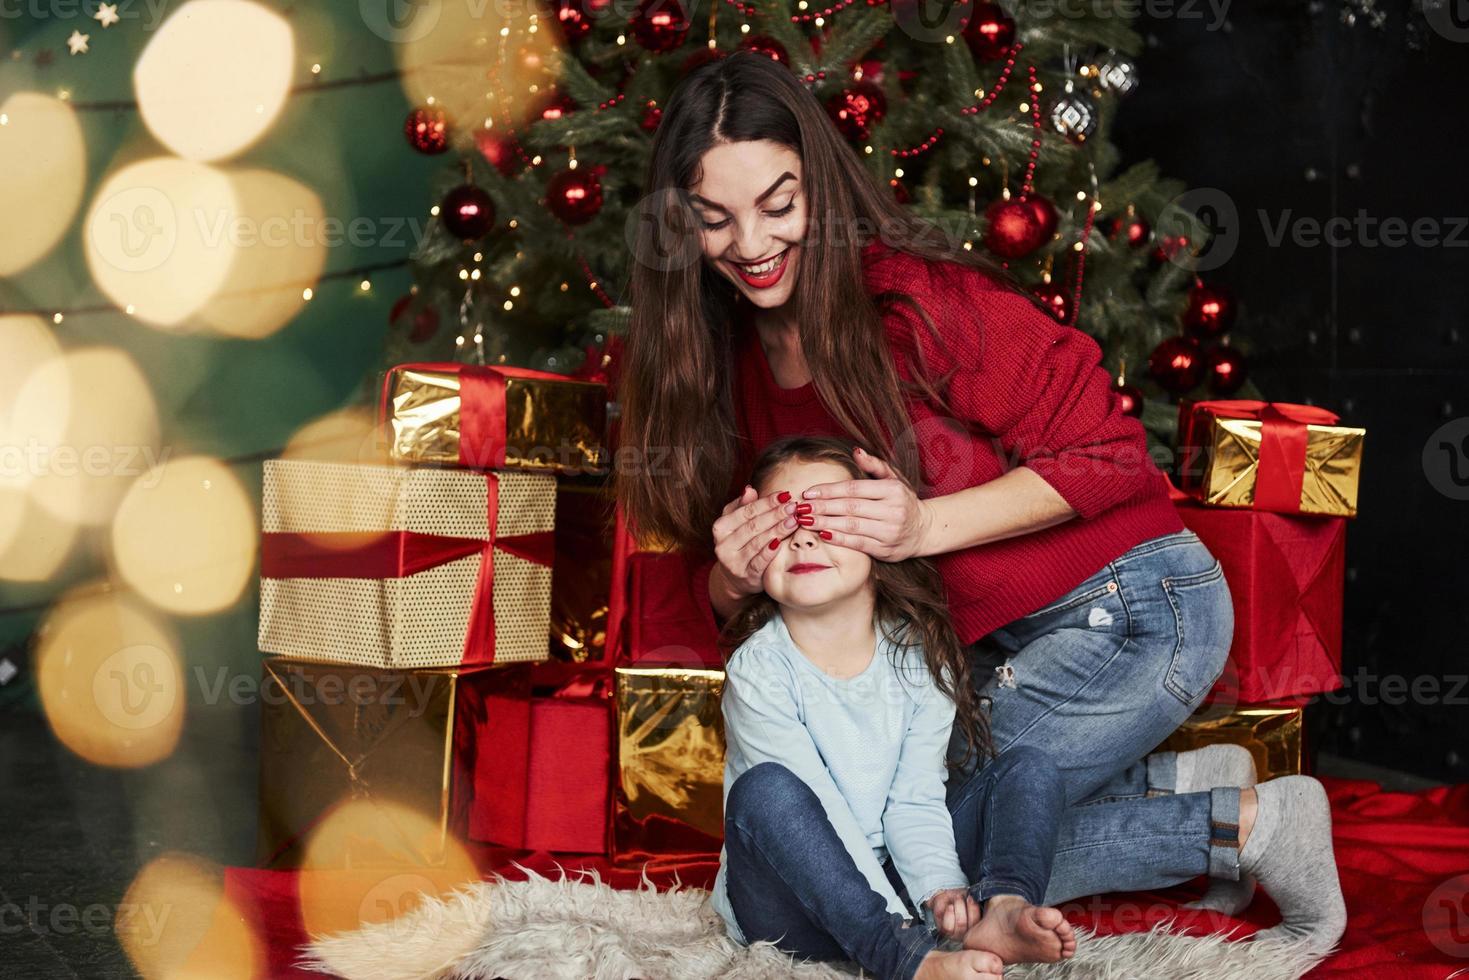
{"x": 746, "y": 535}
{"x": 954, "y": 911}
{"x": 881, "y": 516}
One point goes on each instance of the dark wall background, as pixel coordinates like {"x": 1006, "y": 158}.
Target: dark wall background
{"x": 1291, "y": 111}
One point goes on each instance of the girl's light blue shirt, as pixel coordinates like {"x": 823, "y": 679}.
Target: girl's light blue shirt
{"x": 872, "y": 747}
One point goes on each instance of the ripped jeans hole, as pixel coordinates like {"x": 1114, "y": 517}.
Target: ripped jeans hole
{"x": 1005, "y": 675}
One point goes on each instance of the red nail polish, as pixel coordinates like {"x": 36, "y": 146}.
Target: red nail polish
{"x": 774, "y": 543}
{"x": 805, "y": 520}
{"x": 783, "y": 496}
{"x": 825, "y": 535}
{"x": 803, "y": 508}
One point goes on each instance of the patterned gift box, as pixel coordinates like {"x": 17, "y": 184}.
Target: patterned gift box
{"x": 1273, "y": 736}
{"x": 444, "y": 744}
{"x": 405, "y": 567}
{"x": 1291, "y": 459}
{"x": 670, "y": 762}
{"x": 448, "y": 413}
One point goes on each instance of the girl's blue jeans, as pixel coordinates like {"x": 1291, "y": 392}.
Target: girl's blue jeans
{"x": 1096, "y": 681}
{"x": 792, "y": 882}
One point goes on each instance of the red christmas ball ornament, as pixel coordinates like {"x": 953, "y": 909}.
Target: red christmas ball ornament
{"x": 900, "y": 193}
{"x": 1014, "y": 230}
{"x": 1045, "y": 214}
{"x": 989, "y": 32}
{"x": 659, "y": 25}
{"x": 768, "y": 46}
{"x": 427, "y": 130}
{"x": 1210, "y": 311}
{"x": 425, "y": 325}
{"x": 467, "y": 212}
{"x": 1055, "y": 299}
{"x": 1226, "y": 370}
{"x": 575, "y": 195}
{"x": 1169, "y": 247}
{"x": 1177, "y": 364}
{"x": 870, "y": 70}
{"x": 575, "y": 24}
{"x": 560, "y": 106}
{"x": 1130, "y": 397}
{"x": 701, "y": 56}
{"x": 1131, "y": 229}
{"x": 857, "y": 109}
{"x": 652, "y": 115}
{"x": 499, "y": 150}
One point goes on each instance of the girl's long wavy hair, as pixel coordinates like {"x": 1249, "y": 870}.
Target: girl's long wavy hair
{"x": 675, "y": 391}
{"x": 911, "y": 603}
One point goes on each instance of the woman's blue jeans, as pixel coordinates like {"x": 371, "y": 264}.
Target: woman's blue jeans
{"x": 792, "y": 882}
{"x": 1096, "y": 680}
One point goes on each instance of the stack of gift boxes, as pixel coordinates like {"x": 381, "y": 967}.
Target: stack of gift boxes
{"x": 409, "y": 605}
{"x": 466, "y": 630}
{"x": 1269, "y": 488}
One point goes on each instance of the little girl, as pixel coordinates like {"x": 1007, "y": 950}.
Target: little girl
{"x": 838, "y": 706}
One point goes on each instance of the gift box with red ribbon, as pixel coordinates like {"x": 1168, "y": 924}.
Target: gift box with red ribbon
{"x": 1290, "y": 459}
{"x": 1285, "y": 575}
{"x": 448, "y": 413}
{"x": 405, "y": 567}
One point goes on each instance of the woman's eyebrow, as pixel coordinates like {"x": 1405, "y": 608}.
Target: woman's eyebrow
{"x": 766, "y": 193}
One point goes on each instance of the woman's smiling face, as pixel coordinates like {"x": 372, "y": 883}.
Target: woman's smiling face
{"x": 752, "y": 210}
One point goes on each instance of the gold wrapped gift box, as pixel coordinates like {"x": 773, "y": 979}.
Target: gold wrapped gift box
{"x": 1273, "y": 736}
{"x": 1220, "y": 449}
{"x": 670, "y": 738}
{"x": 542, "y": 422}
{"x": 412, "y": 744}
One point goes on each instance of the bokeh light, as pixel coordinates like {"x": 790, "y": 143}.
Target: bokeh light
{"x": 345, "y": 436}
{"x": 451, "y": 56}
{"x": 44, "y": 159}
{"x": 157, "y": 237}
{"x": 109, "y": 679}
{"x": 184, "y": 536}
{"x": 396, "y": 857}
{"x": 84, "y": 426}
{"x": 181, "y": 925}
{"x": 214, "y": 77}
{"x": 280, "y": 250}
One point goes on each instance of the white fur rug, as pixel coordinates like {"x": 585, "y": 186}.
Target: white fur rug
{"x": 584, "y": 930}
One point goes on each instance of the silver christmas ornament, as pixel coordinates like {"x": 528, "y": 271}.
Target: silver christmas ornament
{"x": 1118, "y": 74}
{"x": 1073, "y": 115}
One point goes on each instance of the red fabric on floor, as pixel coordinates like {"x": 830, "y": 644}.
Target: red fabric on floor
{"x": 1403, "y": 859}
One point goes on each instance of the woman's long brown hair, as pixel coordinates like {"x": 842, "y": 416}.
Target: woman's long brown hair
{"x": 675, "y": 391}
{"x": 911, "y": 604}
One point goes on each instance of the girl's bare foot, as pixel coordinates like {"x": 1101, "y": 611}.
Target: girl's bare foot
{"x": 965, "y": 964}
{"x": 1018, "y": 932}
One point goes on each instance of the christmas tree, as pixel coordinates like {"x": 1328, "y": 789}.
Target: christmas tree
{"x": 989, "y": 121}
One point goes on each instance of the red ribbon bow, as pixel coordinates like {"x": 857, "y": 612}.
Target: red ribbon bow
{"x": 1281, "y": 468}
{"x": 399, "y": 554}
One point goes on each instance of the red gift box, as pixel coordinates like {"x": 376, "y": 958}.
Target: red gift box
{"x": 570, "y": 788}
{"x": 668, "y": 623}
{"x": 1285, "y": 575}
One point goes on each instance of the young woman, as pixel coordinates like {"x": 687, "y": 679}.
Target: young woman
{"x": 838, "y": 705}
{"x": 776, "y": 289}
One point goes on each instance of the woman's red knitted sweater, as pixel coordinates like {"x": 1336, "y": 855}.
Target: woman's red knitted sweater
{"x": 1025, "y": 391}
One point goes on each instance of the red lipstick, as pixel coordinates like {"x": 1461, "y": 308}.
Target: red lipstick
{"x": 805, "y": 567}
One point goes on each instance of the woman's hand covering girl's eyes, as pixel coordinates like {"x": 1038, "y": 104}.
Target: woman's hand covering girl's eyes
{"x": 747, "y": 534}
{"x": 881, "y": 516}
